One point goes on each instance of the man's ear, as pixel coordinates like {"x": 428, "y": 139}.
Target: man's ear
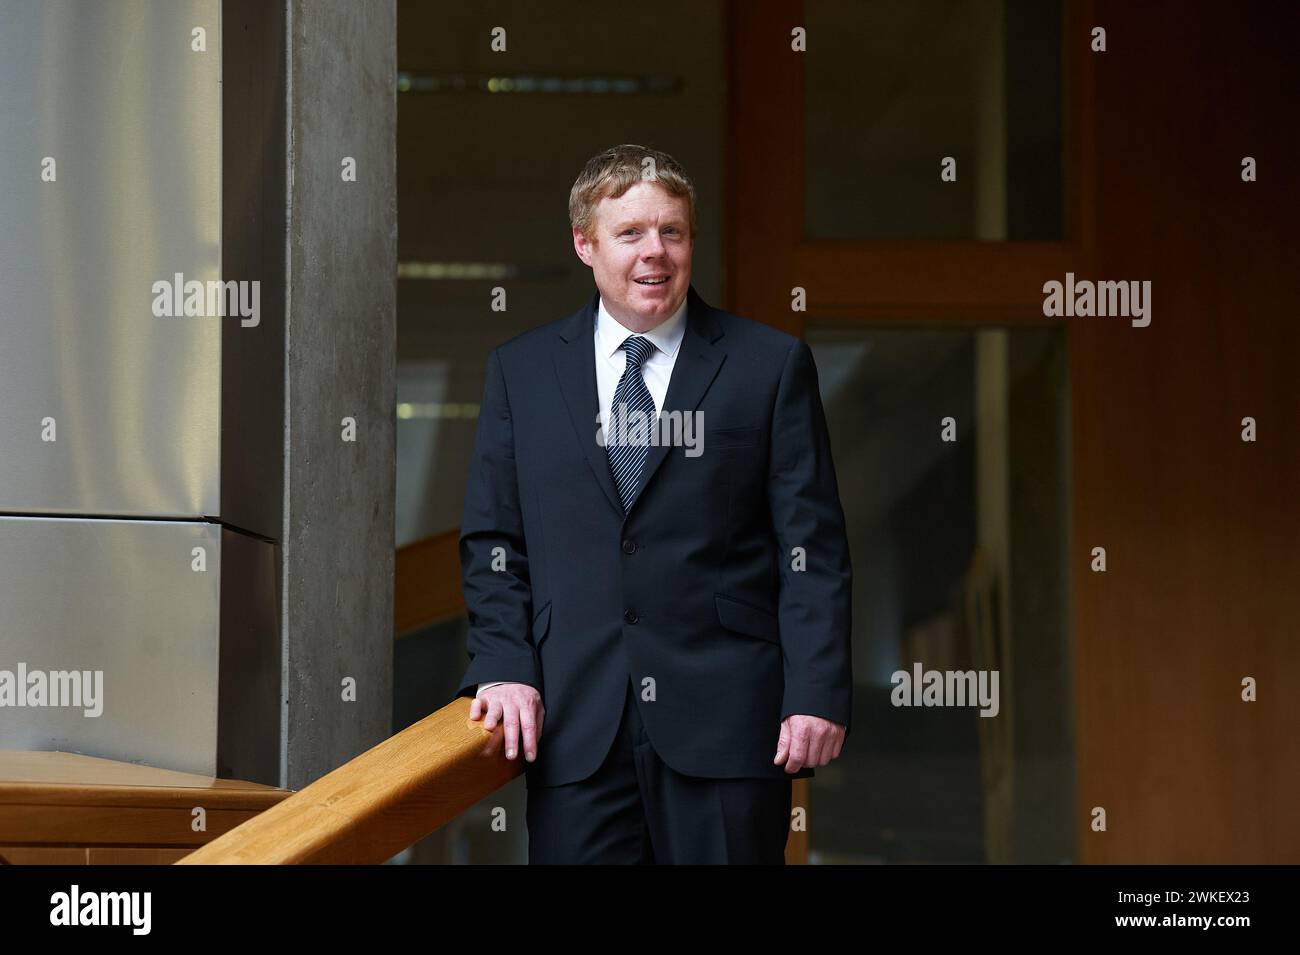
{"x": 582, "y": 246}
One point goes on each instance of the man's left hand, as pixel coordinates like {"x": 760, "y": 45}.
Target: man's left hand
{"x": 808, "y": 741}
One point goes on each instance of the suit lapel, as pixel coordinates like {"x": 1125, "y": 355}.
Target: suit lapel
{"x": 698, "y": 361}
{"x": 575, "y": 366}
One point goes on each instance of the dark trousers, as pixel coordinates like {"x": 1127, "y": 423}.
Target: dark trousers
{"x": 637, "y": 809}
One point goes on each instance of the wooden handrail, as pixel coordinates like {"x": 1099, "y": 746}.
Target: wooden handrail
{"x": 377, "y": 804}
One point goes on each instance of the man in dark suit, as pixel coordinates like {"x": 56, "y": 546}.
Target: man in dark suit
{"x": 661, "y": 613}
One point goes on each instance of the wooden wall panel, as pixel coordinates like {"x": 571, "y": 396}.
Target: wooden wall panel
{"x": 1202, "y": 531}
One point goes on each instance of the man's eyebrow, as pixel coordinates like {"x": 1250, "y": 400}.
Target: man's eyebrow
{"x": 628, "y": 223}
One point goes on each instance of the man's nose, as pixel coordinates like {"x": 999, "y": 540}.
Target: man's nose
{"x": 654, "y": 246}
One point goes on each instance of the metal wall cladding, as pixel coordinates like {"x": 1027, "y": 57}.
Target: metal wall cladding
{"x": 130, "y": 113}
{"x": 125, "y": 600}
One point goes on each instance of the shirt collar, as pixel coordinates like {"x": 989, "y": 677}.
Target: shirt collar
{"x": 666, "y": 336}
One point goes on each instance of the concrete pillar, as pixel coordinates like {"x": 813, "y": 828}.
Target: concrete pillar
{"x": 307, "y": 87}
{"x": 340, "y": 302}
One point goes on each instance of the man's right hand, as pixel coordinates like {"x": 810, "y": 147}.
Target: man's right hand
{"x": 518, "y": 706}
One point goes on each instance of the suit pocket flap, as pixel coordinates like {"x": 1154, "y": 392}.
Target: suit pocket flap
{"x": 743, "y": 618}
{"x": 542, "y": 624}
{"x": 732, "y": 438}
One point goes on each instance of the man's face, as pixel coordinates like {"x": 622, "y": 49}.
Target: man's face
{"x": 640, "y": 254}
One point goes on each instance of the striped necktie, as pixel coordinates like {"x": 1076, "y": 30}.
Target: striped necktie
{"x": 631, "y": 420}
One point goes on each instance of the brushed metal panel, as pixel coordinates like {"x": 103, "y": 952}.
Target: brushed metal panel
{"x": 118, "y": 597}
{"x": 131, "y": 116}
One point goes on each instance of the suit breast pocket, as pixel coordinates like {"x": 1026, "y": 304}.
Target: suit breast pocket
{"x": 724, "y": 438}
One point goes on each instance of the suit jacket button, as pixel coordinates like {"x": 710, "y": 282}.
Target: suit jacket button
{"x": 629, "y": 547}
{"x": 630, "y": 616}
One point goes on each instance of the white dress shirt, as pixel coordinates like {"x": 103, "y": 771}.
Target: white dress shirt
{"x": 611, "y": 362}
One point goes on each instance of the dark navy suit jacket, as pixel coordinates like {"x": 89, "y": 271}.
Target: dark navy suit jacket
{"x": 698, "y": 587}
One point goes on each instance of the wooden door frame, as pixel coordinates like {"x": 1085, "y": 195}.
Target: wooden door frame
{"x": 764, "y": 249}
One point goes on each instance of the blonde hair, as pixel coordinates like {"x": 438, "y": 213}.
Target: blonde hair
{"x": 616, "y": 170}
